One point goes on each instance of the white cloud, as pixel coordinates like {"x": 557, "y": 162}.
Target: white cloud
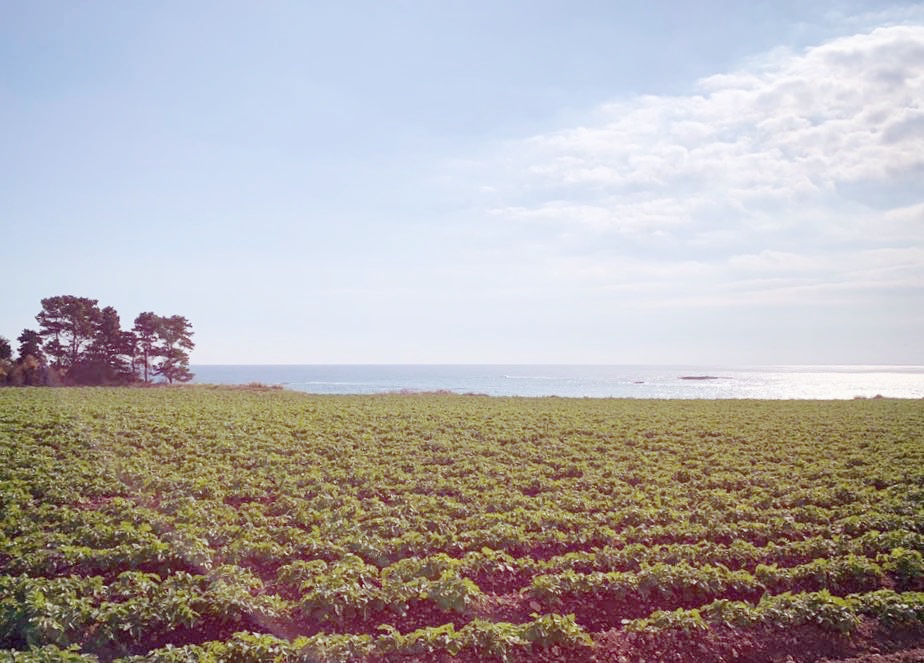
{"x": 900, "y": 223}
{"x": 847, "y": 111}
{"x": 776, "y": 261}
{"x": 621, "y": 215}
{"x": 794, "y": 176}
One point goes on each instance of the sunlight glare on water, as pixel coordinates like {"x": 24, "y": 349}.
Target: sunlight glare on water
{"x": 777, "y": 382}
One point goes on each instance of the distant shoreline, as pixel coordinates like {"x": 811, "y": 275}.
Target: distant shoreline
{"x": 686, "y": 382}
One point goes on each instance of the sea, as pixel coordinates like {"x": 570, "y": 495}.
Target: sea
{"x": 584, "y": 381}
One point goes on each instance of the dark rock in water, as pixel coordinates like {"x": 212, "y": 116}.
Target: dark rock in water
{"x": 700, "y": 377}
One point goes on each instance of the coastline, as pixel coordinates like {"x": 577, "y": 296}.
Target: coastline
{"x": 584, "y": 381}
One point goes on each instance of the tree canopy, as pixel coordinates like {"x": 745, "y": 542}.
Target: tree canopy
{"x": 163, "y": 344}
{"x": 77, "y": 342}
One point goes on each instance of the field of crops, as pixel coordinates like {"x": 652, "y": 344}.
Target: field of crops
{"x": 201, "y": 524}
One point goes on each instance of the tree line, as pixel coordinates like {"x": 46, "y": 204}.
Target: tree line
{"x": 79, "y": 343}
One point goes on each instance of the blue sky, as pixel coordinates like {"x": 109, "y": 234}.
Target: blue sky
{"x": 473, "y": 182}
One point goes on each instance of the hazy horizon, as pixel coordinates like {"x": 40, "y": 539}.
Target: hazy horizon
{"x": 583, "y": 381}
{"x": 582, "y": 183}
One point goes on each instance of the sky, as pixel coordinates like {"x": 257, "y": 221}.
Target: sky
{"x": 502, "y": 181}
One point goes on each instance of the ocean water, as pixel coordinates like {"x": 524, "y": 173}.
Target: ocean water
{"x": 585, "y": 381}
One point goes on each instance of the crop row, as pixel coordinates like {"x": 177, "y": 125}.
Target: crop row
{"x": 136, "y": 605}
{"x": 602, "y": 599}
{"x": 119, "y": 535}
{"x": 503, "y": 640}
{"x": 52, "y": 541}
{"x": 835, "y": 613}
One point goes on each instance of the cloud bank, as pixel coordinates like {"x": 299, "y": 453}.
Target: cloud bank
{"x": 795, "y": 179}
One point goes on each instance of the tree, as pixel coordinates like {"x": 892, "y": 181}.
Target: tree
{"x": 6, "y": 365}
{"x": 68, "y": 326}
{"x": 30, "y": 345}
{"x": 130, "y": 341}
{"x": 145, "y": 332}
{"x": 167, "y": 339}
{"x": 79, "y": 343}
{"x": 31, "y": 358}
{"x": 175, "y": 335}
{"x": 106, "y": 359}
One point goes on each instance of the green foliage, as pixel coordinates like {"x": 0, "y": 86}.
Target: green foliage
{"x": 553, "y": 629}
{"x": 834, "y": 613}
{"x": 451, "y": 593}
{"x": 891, "y": 607}
{"x": 906, "y": 566}
{"x": 780, "y": 611}
{"x": 341, "y": 592}
{"x": 352, "y": 527}
{"x": 487, "y": 640}
{"x": 48, "y": 654}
